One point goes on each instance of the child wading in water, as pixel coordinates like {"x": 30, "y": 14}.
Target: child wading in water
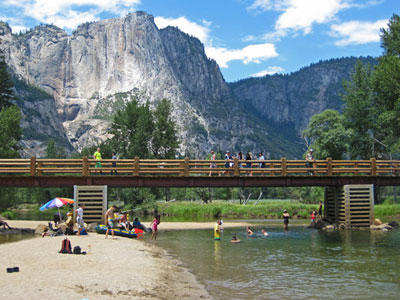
{"x": 154, "y": 226}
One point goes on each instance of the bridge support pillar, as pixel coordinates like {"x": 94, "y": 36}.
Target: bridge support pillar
{"x": 350, "y": 205}
{"x": 95, "y": 199}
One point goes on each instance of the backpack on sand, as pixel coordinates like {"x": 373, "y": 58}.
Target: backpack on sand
{"x": 77, "y": 250}
{"x": 66, "y": 246}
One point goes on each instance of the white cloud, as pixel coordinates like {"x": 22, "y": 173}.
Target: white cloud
{"x": 189, "y": 27}
{"x": 250, "y": 54}
{"x": 299, "y": 15}
{"x": 356, "y": 32}
{"x": 66, "y": 13}
{"x": 269, "y": 71}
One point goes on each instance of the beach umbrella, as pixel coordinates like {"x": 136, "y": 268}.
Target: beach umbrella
{"x": 57, "y": 202}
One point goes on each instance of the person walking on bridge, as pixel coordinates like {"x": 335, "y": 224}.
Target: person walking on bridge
{"x": 97, "y": 157}
{"x": 310, "y": 161}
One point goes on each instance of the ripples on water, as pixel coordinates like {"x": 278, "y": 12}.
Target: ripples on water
{"x": 298, "y": 264}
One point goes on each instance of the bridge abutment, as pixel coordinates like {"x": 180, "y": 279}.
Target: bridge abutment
{"x": 95, "y": 199}
{"x": 350, "y": 205}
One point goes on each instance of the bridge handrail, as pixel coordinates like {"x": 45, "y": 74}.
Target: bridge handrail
{"x": 187, "y": 167}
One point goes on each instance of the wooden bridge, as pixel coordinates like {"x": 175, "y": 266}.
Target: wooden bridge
{"x": 137, "y": 172}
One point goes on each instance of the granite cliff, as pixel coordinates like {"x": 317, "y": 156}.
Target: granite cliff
{"x": 85, "y": 71}
{"x": 71, "y": 85}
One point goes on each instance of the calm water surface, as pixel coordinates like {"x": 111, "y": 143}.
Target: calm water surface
{"x": 298, "y": 264}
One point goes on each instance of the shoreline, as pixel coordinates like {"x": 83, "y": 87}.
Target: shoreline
{"x": 113, "y": 269}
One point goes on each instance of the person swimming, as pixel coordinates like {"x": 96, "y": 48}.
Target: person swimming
{"x": 249, "y": 231}
{"x": 235, "y": 239}
{"x": 264, "y": 233}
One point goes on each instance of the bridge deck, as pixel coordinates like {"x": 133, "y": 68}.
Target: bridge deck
{"x": 196, "y": 173}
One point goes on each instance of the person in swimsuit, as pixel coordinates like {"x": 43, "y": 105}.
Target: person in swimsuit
{"x": 249, "y": 231}
{"x": 264, "y": 233}
{"x": 217, "y": 230}
{"x": 286, "y": 217}
{"x": 109, "y": 217}
{"x": 235, "y": 239}
{"x": 320, "y": 210}
{"x": 154, "y": 226}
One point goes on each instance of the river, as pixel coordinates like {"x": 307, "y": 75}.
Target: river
{"x": 298, "y": 264}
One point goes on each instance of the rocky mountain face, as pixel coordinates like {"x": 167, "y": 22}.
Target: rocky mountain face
{"x": 290, "y": 101}
{"x": 87, "y": 70}
{"x": 71, "y": 85}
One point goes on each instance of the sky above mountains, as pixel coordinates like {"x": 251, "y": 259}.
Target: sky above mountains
{"x": 245, "y": 37}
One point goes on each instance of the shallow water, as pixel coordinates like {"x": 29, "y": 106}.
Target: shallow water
{"x": 298, "y": 264}
{"x": 9, "y": 238}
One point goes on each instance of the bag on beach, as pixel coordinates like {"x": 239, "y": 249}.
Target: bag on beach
{"x": 66, "y": 246}
{"x": 77, "y": 250}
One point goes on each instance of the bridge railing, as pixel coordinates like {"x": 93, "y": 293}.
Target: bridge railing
{"x": 187, "y": 167}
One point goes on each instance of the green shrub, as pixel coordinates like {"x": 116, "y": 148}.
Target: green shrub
{"x": 9, "y": 215}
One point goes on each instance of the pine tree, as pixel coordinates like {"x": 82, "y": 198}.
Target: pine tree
{"x": 165, "y": 141}
{"x": 6, "y": 84}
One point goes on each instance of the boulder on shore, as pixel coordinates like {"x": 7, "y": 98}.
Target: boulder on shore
{"x": 377, "y": 222}
{"x": 91, "y": 227}
{"x": 384, "y": 227}
{"x": 41, "y": 228}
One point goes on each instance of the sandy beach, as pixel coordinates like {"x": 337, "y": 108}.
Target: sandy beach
{"x": 113, "y": 269}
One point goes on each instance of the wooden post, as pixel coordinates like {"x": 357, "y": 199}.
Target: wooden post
{"x": 186, "y": 167}
{"x": 85, "y": 166}
{"x": 33, "y": 166}
{"x": 373, "y": 166}
{"x": 40, "y": 165}
{"x": 236, "y": 167}
{"x": 136, "y": 166}
{"x": 329, "y": 166}
{"x": 283, "y": 166}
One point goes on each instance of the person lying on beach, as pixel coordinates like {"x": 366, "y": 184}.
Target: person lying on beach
{"x": 235, "y": 239}
{"x": 264, "y": 233}
{"x": 4, "y": 224}
{"x": 249, "y": 231}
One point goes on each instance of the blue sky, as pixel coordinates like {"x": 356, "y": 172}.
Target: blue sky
{"x": 246, "y": 37}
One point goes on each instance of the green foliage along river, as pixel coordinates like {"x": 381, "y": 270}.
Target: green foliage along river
{"x": 298, "y": 264}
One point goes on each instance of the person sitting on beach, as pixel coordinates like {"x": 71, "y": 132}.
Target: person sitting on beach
{"x": 249, "y": 231}
{"x": 123, "y": 221}
{"x": 109, "y": 217}
{"x": 264, "y": 233}
{"x": 4, "y": 224}
{"x": 137, "y": 224}
{"x": 235, "y": 239}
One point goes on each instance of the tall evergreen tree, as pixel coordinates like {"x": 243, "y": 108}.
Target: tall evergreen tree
{"x": 165, "y": 141}
{"x": 6, "y": 84}
{"x": 10, "y": 132}
{"x": 360, "y": 113}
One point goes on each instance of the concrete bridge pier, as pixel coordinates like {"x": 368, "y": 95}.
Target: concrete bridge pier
{"x": 350, "y": 205}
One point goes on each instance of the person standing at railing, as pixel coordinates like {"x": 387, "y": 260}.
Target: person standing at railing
{"x": 213, "y": 164}
{"x": 228, "y": 162}
{"x": 97, "y": 157}
{"x": 310, "y": 161}
{"x": 114, "y": 164}
{"x": 261, "y": 158}
{"x": 240, "y": 157}
{"x": 248, "y": 163}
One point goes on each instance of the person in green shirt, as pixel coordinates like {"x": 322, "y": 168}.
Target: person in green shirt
{"x": 97, "y": 157}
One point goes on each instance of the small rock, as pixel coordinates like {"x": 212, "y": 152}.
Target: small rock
{"x": 384, "y": 227}
{"x": 329, "y": 227}
{"x": 377, "y": 222}
{"x": 91, "y": 227}
{"x": 394, "y": 224}
{"x": 41, "y": 228}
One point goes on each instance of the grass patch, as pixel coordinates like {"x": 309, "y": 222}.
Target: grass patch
{"x": 268, "y": 209}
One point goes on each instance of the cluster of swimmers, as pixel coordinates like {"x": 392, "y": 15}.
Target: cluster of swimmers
{"x": 218, "y": 228}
